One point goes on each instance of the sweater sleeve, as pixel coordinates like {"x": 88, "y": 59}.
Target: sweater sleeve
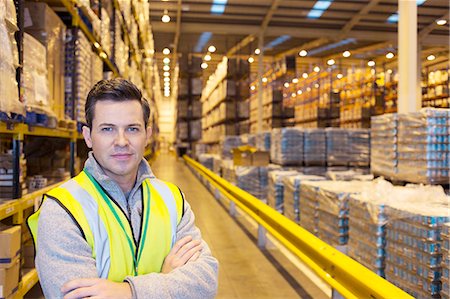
{"x": 196, "y": 279}
{"x": 62, "y": 253}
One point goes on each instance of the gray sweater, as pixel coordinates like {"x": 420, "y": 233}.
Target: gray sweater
{"x": 63, "y": 254}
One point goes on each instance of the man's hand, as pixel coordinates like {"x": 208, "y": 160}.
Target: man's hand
{"x": 183, "y": 251}
{"x": 95, "y": 288}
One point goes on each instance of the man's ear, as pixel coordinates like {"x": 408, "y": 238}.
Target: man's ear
{"x": 148, "y": 132}
{"x": 87, "y": 136}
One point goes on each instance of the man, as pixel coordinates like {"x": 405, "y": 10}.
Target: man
{"x": 114, "y": 230}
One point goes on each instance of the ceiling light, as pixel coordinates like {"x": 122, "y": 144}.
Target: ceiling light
{"x": 165, "y": 18}
{"x": 317, "y": 69}
{"x": 308, "y": 89}
{"x": 252, "y": 87}
{"x": 166, "y": 68}
{"x": 166, "y": 60}
{"x": 166, "y": 51}
{"x": 441, "y": 22}
{"x": 389, "y": 71}
{"x": 295, "y": 80}
{"x": 166, "y": 84}
{"x": 166, "y": 79}
{"x": 390, "y": 55}
{"x": 166, "y": 74}
{"x": 299, "y": 91}
{"x": 293, "y": 94}
{"x": 371, "y": 63}
{"x": 204, "y": 65}
{"x": 431, "y": 57}
{"x": 212, "y": 49}
{"x": 340, "y": 76}
{"x": 346, "y": 54}
{"x": 257, "y": 51}
{"x": 207, "y": 57}
{"x": 305, "y": 75}
{"x": 316, "y": 85}
{"x": 264, "y": 79}
{"x": 251, "y": 59}
{"x": 303, "y": 53}
{"x": 331, "y": 62}
{"x": 286, "y": 84}
{"x": 96, "y": 45}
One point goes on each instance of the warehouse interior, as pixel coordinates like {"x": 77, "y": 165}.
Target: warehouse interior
{"x": 311, "y": 137}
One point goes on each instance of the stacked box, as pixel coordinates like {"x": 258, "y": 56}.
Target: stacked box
{"x": 275, "y": 197}
{"x": 324, "y": 208}
{"x": 314, "y": 152}
{"x": 43, "y": 23}
{"x": 292, "y": 194}
{"x": 182, "y": 130}
{"x": 227, "y": 144}
{"x": 263, "y": 141}
{"x": 9, "y": 61}
{"x": 414, "y": 246}
{"x": 424, "y": 146}
{"x": 445, "y": 293}
{"x": 253, "y": 179}
{"x": 207, "y": 160}
{"x": 120, "y": 48}
{"x": 195, "y": 129}
{"x": 287, "y": 146}
{"x": 359, "y": 147}
{"x": 9, "y": 260}
{"x": 354, "y": 174}
{"x": 35, "y": 82}
{"x": 228, "y": 171}
{"x": 383, "y": 144}
{"x": 105, "y": 29}
{"x": 217, "y": 162}
{"x": 337, "y": 147}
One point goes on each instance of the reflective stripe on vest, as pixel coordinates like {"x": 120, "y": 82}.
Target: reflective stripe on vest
{"x": 108, "y": 232}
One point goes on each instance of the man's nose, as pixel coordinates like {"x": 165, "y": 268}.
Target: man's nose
{"x": 121, "y": 139}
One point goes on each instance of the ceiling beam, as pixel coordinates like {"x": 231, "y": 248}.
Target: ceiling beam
{"x": 306, "y": 46}
{"x": 356, "y": 18}
{"x": 366, "y": 49}
{"x": 427, "y": 30}
{"x": 244, "y": 42}
{"x": 306, "y": 33}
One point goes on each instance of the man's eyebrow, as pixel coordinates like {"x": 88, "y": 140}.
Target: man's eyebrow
{"x": 135, "y": 125}
{"x": 107, "y": 125}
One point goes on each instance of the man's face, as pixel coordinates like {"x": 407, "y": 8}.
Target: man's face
{"x": 118, "y": 137}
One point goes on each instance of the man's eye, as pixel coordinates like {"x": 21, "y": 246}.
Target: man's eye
{"x": 133, "y": 129}
{"x": 106, "y": 129}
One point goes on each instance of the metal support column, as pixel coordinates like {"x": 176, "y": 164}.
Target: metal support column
{"x": 260, "y": 84}
{"x": 407, "y": 57}
{"x": 16, "y": 152}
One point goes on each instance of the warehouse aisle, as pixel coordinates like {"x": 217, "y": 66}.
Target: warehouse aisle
{"x": 245, "y": 272}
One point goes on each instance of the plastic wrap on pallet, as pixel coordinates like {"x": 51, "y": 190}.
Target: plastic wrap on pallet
{"x": 227, "y": 144}
{"x": 217, "y": 163}
{"x": 8, "y": 61}
{"x": 383, "y": 144}
{"x": 359, "y": 147}
{"x": 314, "y": 147}
{"x": 414, "y": 254}
{"x": 292, "y": 194}
{"x": 287, "y": 146}
{"x": 228, "y": 172}
{"x": 324, "y": 208}
{"x": 253, "y": 179}
{"x": 337, "y": 146}
{"x": 35, "y": 83}
{"x": 207, "y": 160}
{"x": 424, "y": 146}
{"x": 349, "y": 175}
{"x": 249, "y": 139}
{"x": 275, "y": 196}
{"x": 263, "y": 141}
{"x": 199, "y": 149}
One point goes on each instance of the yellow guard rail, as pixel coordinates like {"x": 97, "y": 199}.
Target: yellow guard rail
{"x": 345, "y": 275}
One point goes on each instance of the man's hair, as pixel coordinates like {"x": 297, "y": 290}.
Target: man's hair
{"x": 117, "y": 90}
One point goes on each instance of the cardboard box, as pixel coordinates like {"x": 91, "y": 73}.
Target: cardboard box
{"x": 43, "y": 24}
{"x": 9, "y": 279}
{"x": 250, "y": 156}
{"x": 9, "y": 244}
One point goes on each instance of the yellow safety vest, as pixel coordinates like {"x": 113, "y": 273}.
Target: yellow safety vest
{"x": 108, "y": 231}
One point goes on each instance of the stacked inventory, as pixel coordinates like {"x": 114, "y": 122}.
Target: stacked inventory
{"x": 9, "y": 260}
{"x": 414, "y": 247}
{"x": 253, "y": 179}
{"x": 9, "y": 61}
{"x": 324, "y": 208}
{"x": 359, "y": 147}
{"x": 273, "y": 112}
{"x": 223, "y": 111}
{"x": 314, "y": 152}
{"x": 6, "y": 176}
{"x": 286, "y": 146}
{"x": 423, "y": 146}
{"x": 275, "y": 197}
{"x": 383, "y": 144}
{"x": 337, "y": 147}
{"x": 435, "y": 89}
{"x": 207, "y": 160}
{"x": 292, "y": 194}
{"x": 445, "y": 293}
{"x": 227, "y": 144}
{"x": 263, "y": 141}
